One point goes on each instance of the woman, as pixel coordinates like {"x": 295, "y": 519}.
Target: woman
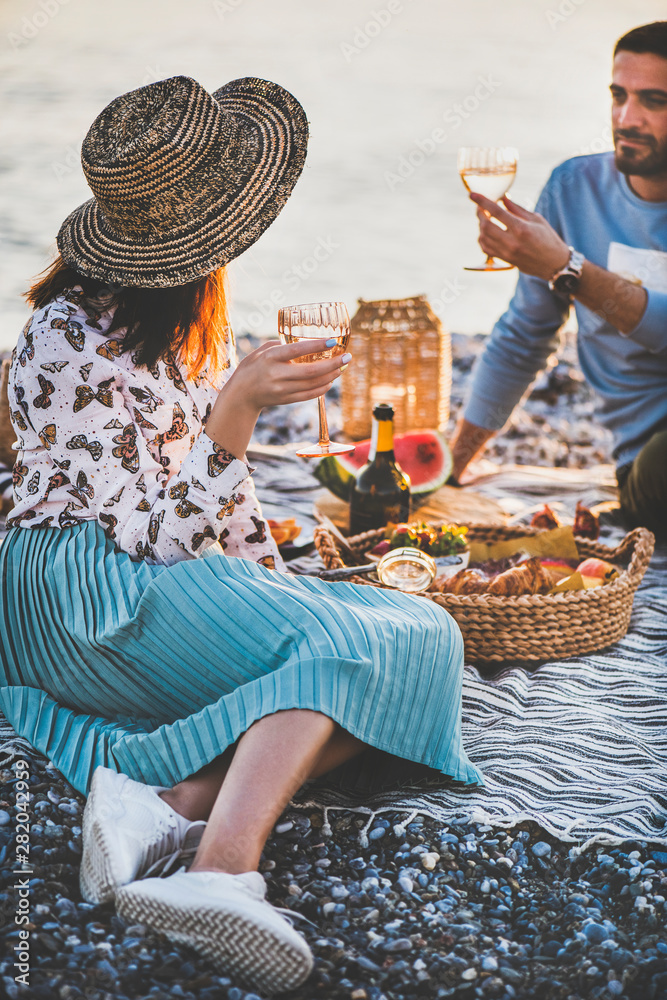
{"x": 189, "y": 697}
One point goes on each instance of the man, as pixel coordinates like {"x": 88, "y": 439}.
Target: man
{"x": 599, "y": 235}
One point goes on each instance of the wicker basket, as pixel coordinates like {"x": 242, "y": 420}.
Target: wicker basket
{"x": 535, "y": 627}
{"x": 402, "y": 356}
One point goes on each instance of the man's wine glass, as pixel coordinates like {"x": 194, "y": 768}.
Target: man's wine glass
{"x": 327, "y": 320}
{"x": 491, "y": 172}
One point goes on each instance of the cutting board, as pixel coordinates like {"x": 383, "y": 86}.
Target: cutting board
{"x": 446, "y": 504}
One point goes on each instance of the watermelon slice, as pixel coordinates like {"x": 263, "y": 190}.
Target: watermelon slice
{"x": 424, "y": 455}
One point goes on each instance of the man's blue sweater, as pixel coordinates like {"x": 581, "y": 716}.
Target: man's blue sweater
{"x": 590, "y": 204}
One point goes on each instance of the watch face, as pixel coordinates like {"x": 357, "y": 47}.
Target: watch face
{"x": 566, "y": 284}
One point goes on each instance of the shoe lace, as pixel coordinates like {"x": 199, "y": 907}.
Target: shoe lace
{"x": 178, "y": 848}
{"x": 292, "y": 915}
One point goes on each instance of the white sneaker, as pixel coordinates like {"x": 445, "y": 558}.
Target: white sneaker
{"x": 129, "y": 832}
{"x": 228, "y": 920}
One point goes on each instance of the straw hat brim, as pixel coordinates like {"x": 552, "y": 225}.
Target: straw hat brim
{"x": 277, "y": 123}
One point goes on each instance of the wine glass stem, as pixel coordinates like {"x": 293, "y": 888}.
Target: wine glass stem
{"x": 324, "y": 427}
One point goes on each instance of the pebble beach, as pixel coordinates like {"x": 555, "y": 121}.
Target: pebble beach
{"x": 408, "y": 907}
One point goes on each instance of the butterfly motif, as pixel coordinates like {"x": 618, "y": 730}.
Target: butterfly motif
{"x": 143, "y": 395}
{"x": 114, "y": 499}
{"x": 227, "y": 508}
{"x": 83, "y": 489}
{"x": 154, "y": 370}
{"x": 199, "y": 537}
{"x": 47, "y": 435}
{"x": 111, "y": 523}
{"x": 54, "y": 366}
{"x": 177, "y": 430}
{"x": 57, "y": 480}
{"x": 127, "y": 449}
{"x": 257, "y": 536}
{"x": 19, "y": 392}
{"x": 209, "y": 407}
{"x": 113, "y": 424}
{"x": 154, "y": 526}
{"x": 110, "y": 349}
{"x": 164, "y": 461}
{"x": 223, "y": 536}
{"x": 218, "y": 462}
{"x": 19, "y": 472}
{"x": 42, "y": 402}
{"x": 27, "y": 353}
{"x": 33, "y": 483}
{"x": 174, "y": 374}
{"x": 85, "y": 370}
{"x": 268, "y": 561}
{"x": 186, "y": 507}
{"x": 178, "y": 491}
{"x": 143, "y": 504}
{"x": 195, "y": 482}
{"x": 141, "y": 483}
{"x": 85, "y": 395}
{"x": 81, "y": 441}
{"x": 67, "y": 518}
{"x": 17, "y": 418}
{"x": 63, "y": 465}
{"x": 74, "y": 334}
{"x": 141, "y": 420}
{"x": 239, "y": 498}
{"x": 14, "y": 522}
{"x": 45, "y": 523}
{"x": 144, "y": 551}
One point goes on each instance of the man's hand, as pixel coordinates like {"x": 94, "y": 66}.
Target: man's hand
{"x": 527, "y": 240}
{"x": 532, "y": 245}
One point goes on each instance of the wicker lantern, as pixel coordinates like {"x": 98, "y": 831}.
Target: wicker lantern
{"x": 402, "y": 356}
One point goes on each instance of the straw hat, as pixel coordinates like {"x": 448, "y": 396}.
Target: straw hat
{"x": 183, "y": 181}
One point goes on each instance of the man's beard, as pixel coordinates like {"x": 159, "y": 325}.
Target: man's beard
{"x": 634, "y": 160}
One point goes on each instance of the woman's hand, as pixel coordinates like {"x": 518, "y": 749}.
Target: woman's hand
{"x": 269, "y": 377}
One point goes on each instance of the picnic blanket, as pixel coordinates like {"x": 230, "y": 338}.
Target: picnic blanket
{"x": 578, "y": 746}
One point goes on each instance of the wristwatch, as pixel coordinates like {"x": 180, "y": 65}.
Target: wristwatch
{"x": 566, "y": 281}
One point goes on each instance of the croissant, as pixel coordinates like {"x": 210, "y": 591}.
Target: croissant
{"x": 528, "y": 577}
{"x": 466, "y": 581}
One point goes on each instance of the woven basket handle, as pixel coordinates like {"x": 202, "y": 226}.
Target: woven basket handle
{"x": 641, "y": 543}
{"x": 327, "y": 548}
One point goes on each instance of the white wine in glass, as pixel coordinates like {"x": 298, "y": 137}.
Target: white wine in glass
{"x": 491, "y": 172}
{"x": 329, "y": 321}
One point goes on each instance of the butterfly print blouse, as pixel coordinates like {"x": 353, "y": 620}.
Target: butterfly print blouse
{"x": 100, "y": 438}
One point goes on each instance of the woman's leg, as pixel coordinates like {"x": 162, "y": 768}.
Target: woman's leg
{"x": 271, "y": 762}
{"x": 195, "y": 796}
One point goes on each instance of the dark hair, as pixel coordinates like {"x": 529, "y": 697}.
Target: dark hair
{"x": 646, "y": 38}
{"x": 189, "y": 322}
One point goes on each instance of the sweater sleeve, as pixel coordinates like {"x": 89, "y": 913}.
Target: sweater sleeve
{"x": 519, "y": 344}
{"x": 651, "y": 331}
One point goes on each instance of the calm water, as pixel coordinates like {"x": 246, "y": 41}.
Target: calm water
{"x": 391, "y": 87}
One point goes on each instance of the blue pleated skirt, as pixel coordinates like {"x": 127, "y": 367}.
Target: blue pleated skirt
{"x": 153, "y": 671}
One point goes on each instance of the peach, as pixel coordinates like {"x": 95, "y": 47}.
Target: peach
{"x": 604, "y": 571}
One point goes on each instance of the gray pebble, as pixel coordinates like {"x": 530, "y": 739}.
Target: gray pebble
{"x": 541, "y": 849}
{"x": 5, "y": 818}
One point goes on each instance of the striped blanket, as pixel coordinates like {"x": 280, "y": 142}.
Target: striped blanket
{"x": 578, "y": 746}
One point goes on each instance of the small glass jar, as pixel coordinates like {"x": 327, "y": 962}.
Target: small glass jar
{"x": 407, "y": 569}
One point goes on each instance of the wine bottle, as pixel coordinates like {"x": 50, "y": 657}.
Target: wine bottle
{"x": 381, "y": 491}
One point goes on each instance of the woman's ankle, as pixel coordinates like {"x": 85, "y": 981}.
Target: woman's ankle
{"x": 180, "y": 804}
